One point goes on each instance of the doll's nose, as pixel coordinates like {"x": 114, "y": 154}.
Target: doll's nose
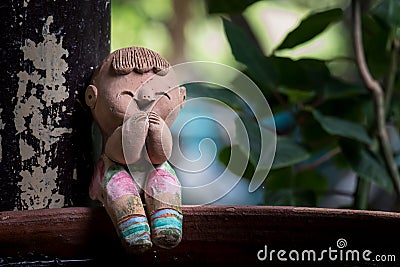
{"x": 144, "y": 98}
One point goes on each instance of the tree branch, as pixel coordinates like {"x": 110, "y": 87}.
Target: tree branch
{"x": 378, "y": 96}
{"x": 327, "y": 156}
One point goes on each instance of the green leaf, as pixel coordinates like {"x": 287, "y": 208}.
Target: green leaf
{"x": 290, "y": 73}
{"x": 280, "y": 179}
{"x": 313, "y": 75}
{"x": 254, "y": 135}
{"x": 286, "y": 178}
{"x": 341, "y": 127}
{"x": 316, "y": 70}
{"x": 229, "y": 7}
{"x": 335, "y": 89}
{"x": 286, "y": 188}
{"x": 247, "y": 53}
{"x": 296, "y": 96}
{"x": 290, "y": 197}
{"x": 312, "y": 180}
{"x": 388, "y": 11}
{"x": 288, "y": 153}
{"x": 224, "y": 157}
{"x": 310, "y": 27}
{"x": 366, "y": 164}
{"x": 351, "y": 108}
{"x": 314, "y": 137}
{"x": 375, "y": 39}
{"x": 195, "y": 90}
{"x": 305, "y": 74}
{"x": 395, "y": 109}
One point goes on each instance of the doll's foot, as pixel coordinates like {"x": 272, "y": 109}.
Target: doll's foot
{"x": 135, "y": 234}
{"x": 166, "y": 228}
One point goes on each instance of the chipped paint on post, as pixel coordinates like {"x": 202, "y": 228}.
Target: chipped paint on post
{"x": 45, "y": 94}
{"x": 49, "y": 52}
{"x": 26, "y": 2}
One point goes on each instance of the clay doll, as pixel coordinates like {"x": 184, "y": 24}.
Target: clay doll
{"x": 134, "y": 99}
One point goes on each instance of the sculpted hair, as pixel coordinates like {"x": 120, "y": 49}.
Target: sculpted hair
{"x": 140, "y": 60}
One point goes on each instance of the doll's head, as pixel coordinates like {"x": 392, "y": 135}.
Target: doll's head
{"x": 131, "y": 80}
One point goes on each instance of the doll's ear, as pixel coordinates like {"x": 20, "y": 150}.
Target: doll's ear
{"x": 91, "y": 96}
{"x": 182, "y": 94}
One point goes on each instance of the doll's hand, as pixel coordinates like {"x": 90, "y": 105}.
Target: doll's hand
{"x": 126, "y": 143}
{"x": 159, "y": 140}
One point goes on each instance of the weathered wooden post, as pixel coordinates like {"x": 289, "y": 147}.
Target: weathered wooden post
{"x": 48, "y": 49}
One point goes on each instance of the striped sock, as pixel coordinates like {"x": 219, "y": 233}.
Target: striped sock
{"x": 135, "y": 233}
{"x": 166, "y": 228}
{"x": 116, "y": 189}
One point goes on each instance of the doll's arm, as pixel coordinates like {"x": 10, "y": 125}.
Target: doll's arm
{"x": 126, "y": 143}
{"x": 159, "y": 140}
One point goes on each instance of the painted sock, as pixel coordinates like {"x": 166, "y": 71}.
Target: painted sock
{"x": 166, "y": 228}
{"x": 115, "y": 188}
{"x": 134, "y": 233}
{"x": 163, "y": 204}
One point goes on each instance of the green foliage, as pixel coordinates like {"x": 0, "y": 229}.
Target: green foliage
{"x": 376, "y": 37}
{"x": 310, "y": 27}
{"x": 388, "y": 11}
{"x": 232, "y": 6}
{"x": 335, "y": 88}
{"x": 247, "y": 53}
{"x": 301, "y": 73}
{"x": 225, "y": 155}
{"x": 141, "y": 23}
{"x": 288, "y": 153}
{"x": 329, "y": 113}
{"x": 215, "y": 92}
{"x": 366, "y": 164}
{"x": 284, "y": 187}
{"x": 344, "y": 128}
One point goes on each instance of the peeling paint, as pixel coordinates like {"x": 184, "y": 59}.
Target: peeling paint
{"x": 27, "y": 151}
{"x": 26, "y": 2}
{"x": 37, "y": 114}
{"x": 35, "y": 189}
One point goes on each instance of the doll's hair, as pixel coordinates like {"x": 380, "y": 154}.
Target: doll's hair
{"x": 140, "y": 60}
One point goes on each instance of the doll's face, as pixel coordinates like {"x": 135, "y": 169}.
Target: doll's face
{"x": 120, "y": 96}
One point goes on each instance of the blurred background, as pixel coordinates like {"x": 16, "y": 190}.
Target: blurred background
{"x": 315, "y": 169}
{"x": 184, "y": 30}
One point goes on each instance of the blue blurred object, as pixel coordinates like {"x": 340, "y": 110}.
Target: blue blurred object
{"x": 284, "y": 121}
{"x": 203, "y": 120}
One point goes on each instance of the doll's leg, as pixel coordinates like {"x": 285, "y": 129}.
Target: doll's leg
{"x": 115, "y": 188}
{"x": 163, "y": 205}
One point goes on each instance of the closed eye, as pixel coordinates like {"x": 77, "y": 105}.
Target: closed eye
{"x": 128, "y": 93}
{"x": 164, "y": 94}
